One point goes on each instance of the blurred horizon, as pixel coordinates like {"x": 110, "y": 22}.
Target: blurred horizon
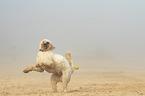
{"x": 101, "y": 34}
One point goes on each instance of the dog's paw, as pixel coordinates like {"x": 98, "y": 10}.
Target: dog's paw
{"x": 26, "y": 71}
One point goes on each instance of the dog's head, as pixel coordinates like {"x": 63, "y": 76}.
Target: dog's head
{"x": 46, "y": 45}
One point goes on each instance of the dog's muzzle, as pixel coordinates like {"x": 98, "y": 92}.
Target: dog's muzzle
{"x": 45, "y": 46}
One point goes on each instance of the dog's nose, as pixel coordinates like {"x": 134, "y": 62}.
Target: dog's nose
{"x": 45, "y": 44}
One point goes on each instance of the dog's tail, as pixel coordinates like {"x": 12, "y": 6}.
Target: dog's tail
{"x": 68, "y": 57}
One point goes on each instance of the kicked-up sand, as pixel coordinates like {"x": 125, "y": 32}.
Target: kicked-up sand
{"x": 81, "y": 84}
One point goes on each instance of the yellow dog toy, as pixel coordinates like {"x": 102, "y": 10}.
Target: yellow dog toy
{"x": 76, "y": 67}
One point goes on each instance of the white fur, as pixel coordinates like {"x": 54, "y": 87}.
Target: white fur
{"x": 61, "y": 67}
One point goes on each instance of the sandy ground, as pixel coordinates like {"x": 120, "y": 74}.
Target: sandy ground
{"x": 82, "y": 84}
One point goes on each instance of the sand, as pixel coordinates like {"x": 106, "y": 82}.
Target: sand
{"x": 81, "y": 84}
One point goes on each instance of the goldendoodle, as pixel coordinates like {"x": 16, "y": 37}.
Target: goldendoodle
{"x": 61, "y": 67}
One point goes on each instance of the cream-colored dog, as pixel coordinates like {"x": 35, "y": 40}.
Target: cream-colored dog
{"x": 61, "y": 67}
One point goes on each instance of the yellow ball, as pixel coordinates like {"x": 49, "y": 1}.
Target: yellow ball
{"x": 76, "y": 67}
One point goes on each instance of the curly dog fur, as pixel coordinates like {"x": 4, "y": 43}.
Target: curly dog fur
{"x": 61, "y": 67}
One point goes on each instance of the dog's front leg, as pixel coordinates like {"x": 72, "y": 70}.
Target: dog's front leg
{"x": 33, "y": 68}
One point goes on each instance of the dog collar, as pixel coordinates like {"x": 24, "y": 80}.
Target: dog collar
{"x": 41, "y": 50}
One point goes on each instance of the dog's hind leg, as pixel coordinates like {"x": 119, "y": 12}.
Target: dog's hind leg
{"x": 54, "y": 80}
{"x": 33, "y": 68}
{"x": 65, "y": 80}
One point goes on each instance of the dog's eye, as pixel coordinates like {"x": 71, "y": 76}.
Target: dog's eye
{"x": 47, "y": 42}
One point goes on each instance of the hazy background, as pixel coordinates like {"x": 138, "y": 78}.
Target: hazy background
{"x": 101, "y": 34}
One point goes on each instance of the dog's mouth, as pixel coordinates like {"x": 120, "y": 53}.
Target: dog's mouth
{"x": 45, "y": 45}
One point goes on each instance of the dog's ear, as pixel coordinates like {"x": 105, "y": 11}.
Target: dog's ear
{"x": 52, "y": 47}
{"x": 40, "y": 45}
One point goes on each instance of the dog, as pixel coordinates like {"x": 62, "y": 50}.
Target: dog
{"x": 61, "y": 67}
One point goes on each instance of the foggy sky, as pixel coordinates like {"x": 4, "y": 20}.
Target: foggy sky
{"x": 108, "y": 31}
